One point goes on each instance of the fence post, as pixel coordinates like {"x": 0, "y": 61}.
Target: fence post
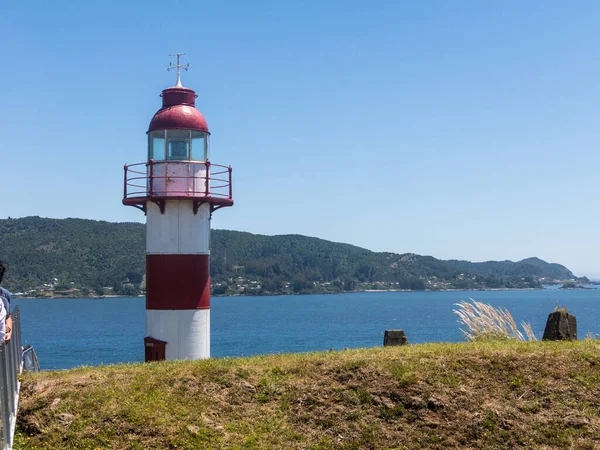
{"x": 151, "y": 181}
{"x": 125, "y": 181}
{"x": 207, "y": 180}
{"x": 230, "y": 187}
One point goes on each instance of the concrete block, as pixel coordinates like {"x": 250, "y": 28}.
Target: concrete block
{"x": 561, "y": 326}
{"x": 394, "y": 337}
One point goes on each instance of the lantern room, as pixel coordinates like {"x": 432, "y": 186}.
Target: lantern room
{"x": 178, "y": 164}
{"x": 178, "y": 131}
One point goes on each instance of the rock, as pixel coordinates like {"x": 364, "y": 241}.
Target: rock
{"x": 249, "y": 387}
{"x": 434, "y": 404}
{"x": 415, "y": 403}
{"x": 65, "y": 418}
{"x": 211, "y": 423}
{"x": 384, "y": 401}
{"x": 576, "y": 422}
{"x": 561, "y": 326}
{"x": 194, "y": 429}
{"x": 29, "y": 424}
{"x": 54, "y": 403}
{"x": 394, "y": 337}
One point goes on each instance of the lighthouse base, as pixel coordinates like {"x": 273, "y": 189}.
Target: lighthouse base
{"x": 186, "y": 332}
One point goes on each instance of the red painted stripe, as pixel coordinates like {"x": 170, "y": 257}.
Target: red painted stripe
{"x": 177, "y": 282}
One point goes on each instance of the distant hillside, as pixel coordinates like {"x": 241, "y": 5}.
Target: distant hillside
{"x": 530, "y": 267}
{"x": 86, "y": 252}
{"x": 93, "y": 255}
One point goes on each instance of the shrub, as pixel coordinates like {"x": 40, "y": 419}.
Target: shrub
{"x": 561, "y": 309}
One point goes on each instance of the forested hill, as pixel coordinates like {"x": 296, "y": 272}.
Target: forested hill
{"x": 79, "y": 256}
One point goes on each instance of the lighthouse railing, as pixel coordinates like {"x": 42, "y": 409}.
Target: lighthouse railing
{"x": 11, "y": 366}
{"x": 168, "y": 179}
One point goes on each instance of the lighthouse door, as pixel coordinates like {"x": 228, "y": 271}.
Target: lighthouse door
{"x": 155, "y": 350}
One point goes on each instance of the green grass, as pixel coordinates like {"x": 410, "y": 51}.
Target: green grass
{"x": 474, "y": 395}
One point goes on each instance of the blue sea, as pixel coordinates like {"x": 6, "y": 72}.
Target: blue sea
{"x": 68, "y": 333}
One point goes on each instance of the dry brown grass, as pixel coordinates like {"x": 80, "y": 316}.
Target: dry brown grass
{"x": 473, "y": 395}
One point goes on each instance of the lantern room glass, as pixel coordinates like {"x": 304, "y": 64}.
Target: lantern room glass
{"x": 178, "y": 145}
{"x": 199, "y": 146}
{"x": 156, "y": 145}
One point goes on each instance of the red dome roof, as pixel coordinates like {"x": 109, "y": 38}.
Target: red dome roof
{"x": 178, "y": 112}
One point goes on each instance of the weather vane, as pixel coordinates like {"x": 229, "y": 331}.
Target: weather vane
{"x": 178, "y": 67}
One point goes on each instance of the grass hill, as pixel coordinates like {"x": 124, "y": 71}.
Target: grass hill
{"x": 493, "y": 395}
{"x": 91, "y": 256}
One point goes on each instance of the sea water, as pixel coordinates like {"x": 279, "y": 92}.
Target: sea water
{"x": 68, "y": 333}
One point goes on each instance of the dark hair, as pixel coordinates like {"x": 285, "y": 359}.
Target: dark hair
{"x": 2, "y": 270}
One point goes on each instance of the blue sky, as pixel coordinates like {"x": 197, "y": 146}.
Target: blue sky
{"x": 465, "y": 130}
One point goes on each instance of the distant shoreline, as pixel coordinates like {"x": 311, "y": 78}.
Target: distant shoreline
{"x": 319, "y": 293}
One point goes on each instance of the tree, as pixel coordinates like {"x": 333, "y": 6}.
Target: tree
{"x": 135, "y": 277}
{"x": 300, "y": 283}
{"x": 349, "y": 285}
{"x": 221, "y": 289}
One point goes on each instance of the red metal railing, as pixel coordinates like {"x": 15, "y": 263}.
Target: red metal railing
{"x": 191, "y": 179}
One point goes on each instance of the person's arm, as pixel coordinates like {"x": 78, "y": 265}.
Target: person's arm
{"x": 8, "y": 328}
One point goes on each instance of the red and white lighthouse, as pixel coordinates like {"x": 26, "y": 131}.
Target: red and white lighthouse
{"x": 178, "y": 188}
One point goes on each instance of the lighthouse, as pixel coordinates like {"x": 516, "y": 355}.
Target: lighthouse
{"x": 178, "y": 188}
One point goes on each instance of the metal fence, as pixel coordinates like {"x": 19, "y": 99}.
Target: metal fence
{"x": 30, "y": 360}
{"x": 11, "y": 365}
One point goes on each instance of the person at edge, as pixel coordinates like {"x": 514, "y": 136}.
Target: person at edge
{"x": 2, "y": 320}
{"x": 5, "y": 299}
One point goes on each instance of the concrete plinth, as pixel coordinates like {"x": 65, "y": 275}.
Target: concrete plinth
{"x": 561, "y": 326}
{"x": 394, "y": 337}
